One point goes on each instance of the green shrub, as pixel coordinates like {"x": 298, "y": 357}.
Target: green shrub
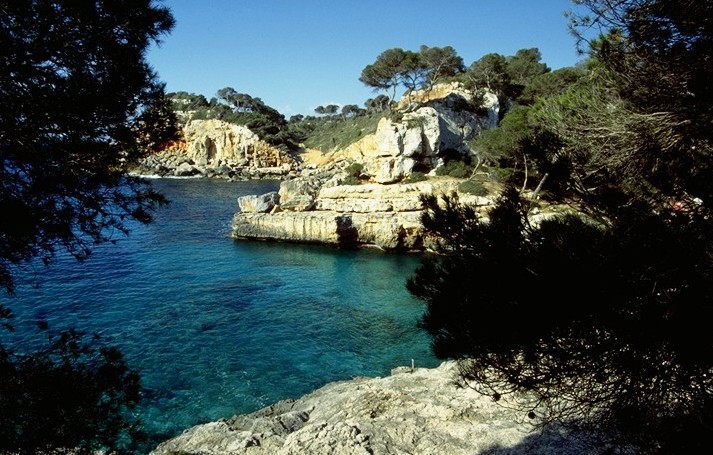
{"x": 415, "y": 176}
{"x": 457, "y": 169}
{"x": 354, "y": 169}
{"x": 350, "y": 180}
{"x": 354, "y": 173}
{"x": 501, "y": 174}
{"x": 397, "y": 116}
{"x": 473, "y": 187}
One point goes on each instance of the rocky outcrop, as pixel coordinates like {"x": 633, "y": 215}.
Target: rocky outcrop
{"x": 413, "y": 411}
{"x": 317, "y": 208}
{"x": 387, "y": 231}
{"x": 433, "y": 126}
{"x": 258, "y": 204}
{"x": 387, "y": 217}
{"x": 214, "y": 148}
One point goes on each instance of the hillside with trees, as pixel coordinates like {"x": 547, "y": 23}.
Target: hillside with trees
{"x": 517, "y": 80}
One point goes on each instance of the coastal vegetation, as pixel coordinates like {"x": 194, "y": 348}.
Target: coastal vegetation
{"x": 332, "y": 133}
{"x": 238, "y": 108}
{"x": 602, "y": 315}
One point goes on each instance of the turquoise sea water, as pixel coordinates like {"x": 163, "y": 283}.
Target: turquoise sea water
{"x": 218, "y": 327}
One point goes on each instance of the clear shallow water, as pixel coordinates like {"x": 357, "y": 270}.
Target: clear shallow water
{"x": 218, "y": 327}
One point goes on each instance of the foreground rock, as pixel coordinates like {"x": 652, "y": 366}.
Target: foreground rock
{"x": 410, "y": 412}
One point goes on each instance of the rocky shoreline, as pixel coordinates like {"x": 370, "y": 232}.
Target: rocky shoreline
{"x": 315, "y": 204}
{"x": 387, "y": 217}
{"x": 217, "y": 149}
{"x": 412, "y": 411}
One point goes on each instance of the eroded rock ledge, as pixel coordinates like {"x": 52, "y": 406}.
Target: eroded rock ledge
{"x": 420, "y": 411}
{"x": 387, "y": 217}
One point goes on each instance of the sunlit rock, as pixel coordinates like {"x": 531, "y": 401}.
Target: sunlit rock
{"x": 419, "y": 411}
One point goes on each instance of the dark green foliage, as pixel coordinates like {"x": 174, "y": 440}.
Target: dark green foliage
{"x": 330, "y": 109}
{"x": 662, "y": 54}
{"x": 354, "y": 169}
{"x": 184, "y": 101}
{"x": 442, "y": 63}
{"x": 71, "y": 394}
{"x": 502, "y": 146}
{"x": 500, "y": 174}
{"x": 241, "y": 109}
{"x": 354, "y": 174}
{"x": 377, "y": 105}
{"x": 455, "y": 168}
{"x": 545, "y": 152}
{"x": 351, "y": 110}
{"x": 397, "y": 117}
{"x": 385, "y": 72}
{"x": 490, "y": 72}
{"x": 508, "y": 77}
{"x": 614, "y": 318}
{"x": 602, "y": 317}
{"x": 413, "y": 70}
{"x": 415, "y": 176}
{"x": 473, "y": 186}
{"x": 550, "y": 84}
{"x": 79, "y": 103}
{"x": 522, "y": 68}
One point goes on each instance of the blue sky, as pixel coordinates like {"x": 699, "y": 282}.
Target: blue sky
{"x": 299, "y": 54}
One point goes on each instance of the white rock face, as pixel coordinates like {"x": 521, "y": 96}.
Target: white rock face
{"x": 258, "y": 203}
{"x": 385, "y": 230}
{"x": 371, "y": 198}
{"x": 211, "y": 141}
{"x": 424, "y": 135}
{"x": 387, "y": 217}
{"x": 219, "y": 149}
{"x": 415, "y": 412}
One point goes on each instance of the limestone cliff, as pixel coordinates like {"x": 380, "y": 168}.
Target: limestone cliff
{"x": 435, "y": 124}
{"x": 419, "y": 412}
{"x": 216, "y": 148}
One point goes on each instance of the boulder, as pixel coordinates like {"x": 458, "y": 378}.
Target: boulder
{"x": 186, "y": 169}
{"x": 263, "y": 203}
{"x": 299, "y": 194}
